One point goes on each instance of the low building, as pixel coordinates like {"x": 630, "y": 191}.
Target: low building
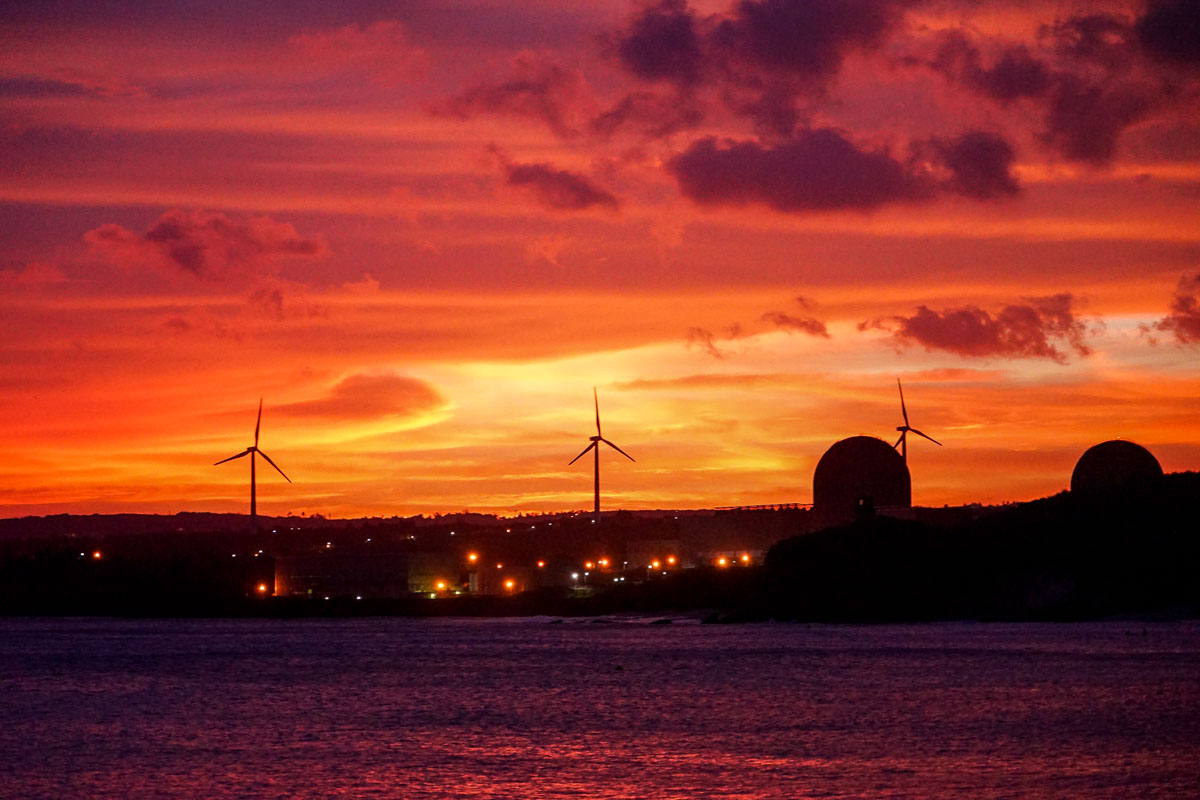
{"x": 343, "y": 574}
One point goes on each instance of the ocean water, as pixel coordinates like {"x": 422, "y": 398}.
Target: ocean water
{"x": 395, "y": 708}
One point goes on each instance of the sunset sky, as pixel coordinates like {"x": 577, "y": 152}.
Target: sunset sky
{"x": 423, "y": 231}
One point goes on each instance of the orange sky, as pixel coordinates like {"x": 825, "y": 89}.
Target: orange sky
{"x": 422, "y": 232}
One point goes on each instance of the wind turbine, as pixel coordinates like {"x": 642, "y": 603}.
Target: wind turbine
{"x": 902, "y": 442}
{"x": 595, "y": 445}
{"x": 252, "y": 451}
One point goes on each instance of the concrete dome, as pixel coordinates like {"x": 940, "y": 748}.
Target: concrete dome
{"x": 860, "y": 468}
{"x": 1112, "y": 465}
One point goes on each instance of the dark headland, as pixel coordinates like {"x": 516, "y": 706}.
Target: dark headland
{"x": 1130, "y": 552}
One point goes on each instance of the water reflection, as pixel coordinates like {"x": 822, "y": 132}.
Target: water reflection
{"x": 522, "y": 709}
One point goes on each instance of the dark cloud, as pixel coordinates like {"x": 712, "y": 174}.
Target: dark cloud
{"x": 540, "y": 89}
{"x": 1014, "y": 75}
{"x": 1038, "y": 328}
{"x": 763, "y": 54}
{"x": 1170, "y": 32}
{"x": 1184, "y": 320}
{"x": 206, "y": 245}
{"x": 1084, "y": 120}
{"x": 558, "y": 189}
{"x": 663, "y": 43}
{"x": 371, "y": 396}
{"x": 785, "y": 321}
{"x": 773, "y": 109}
{"x": 980, "y": 163}
{"x": 1102, "y": 39}
{"x": 706, "y": 340}
{"x": 804, "y": 38}
{"x": 652, "y": 115}
{"x": 816, "y": 170}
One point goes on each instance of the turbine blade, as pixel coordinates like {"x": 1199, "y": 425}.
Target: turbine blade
{"x": 576, "y": 458}
{"x": 927, "y": 436}
{"x": 273, "y": 464}
{"x": 896, "y": 446}
{"x": 258, "y": 423}
{"x": 619, "y": 450}
{"x": 245, "y": 452}
{"x": 596, "y": 399}
{"x": 903, "y": 410}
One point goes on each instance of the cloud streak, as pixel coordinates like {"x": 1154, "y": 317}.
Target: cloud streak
{"x": 368, "y": 397}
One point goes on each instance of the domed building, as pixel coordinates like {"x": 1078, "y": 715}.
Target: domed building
{"x": 859, "y": 471}
{"x": 1113, "y": 465}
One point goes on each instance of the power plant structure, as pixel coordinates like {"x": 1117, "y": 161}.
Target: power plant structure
{"x": 862, "y": 473}
{"x": 1114, "y": 465}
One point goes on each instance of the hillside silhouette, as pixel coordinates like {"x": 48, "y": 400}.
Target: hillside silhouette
{"x": 1133, "y": 551}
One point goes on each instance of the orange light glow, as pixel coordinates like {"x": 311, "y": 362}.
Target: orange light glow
{"x": 588, "y": 565}
{"x": 722, "y": 561}
{"x": 440, "y": 586}
{"x": 541, "y": 564}
{"x": 671, "y": 560}
{"x": 509, "y": 584}
{"x": 262, "y": 588}
{"x": 97, "y": 555}
{"x": 410, "y": 311}
{"x": 745, "y": 558}
{"x": 472, "y": 557}
{"x": 655, "y": 564}
{"x": 499, "y": 566}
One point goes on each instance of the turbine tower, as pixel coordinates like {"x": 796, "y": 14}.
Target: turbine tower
{"x": 595, "y": 445}
{"x": 902, "y": 442}
{"x": 252, "y": 451}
